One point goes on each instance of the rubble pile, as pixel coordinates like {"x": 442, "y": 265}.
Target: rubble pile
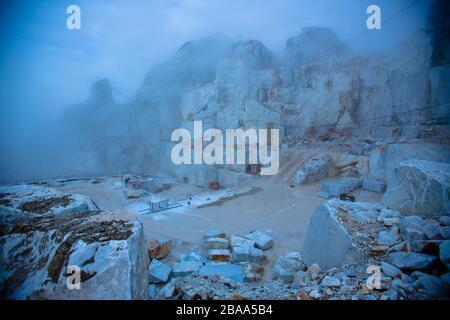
{"x": 315, "y": 169}
{"x": 410, "y": 250}
{"x": 238, "y": 259}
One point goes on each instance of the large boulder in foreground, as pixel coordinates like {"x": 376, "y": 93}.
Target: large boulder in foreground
{"x": 40, "y": 255}
{"x": 330, "y": 240}
{"x": 422, "y": 187}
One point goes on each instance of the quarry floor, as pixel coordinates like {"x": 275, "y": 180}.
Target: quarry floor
{"x": 277, "y": 209}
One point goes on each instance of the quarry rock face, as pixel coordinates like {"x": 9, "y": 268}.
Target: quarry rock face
{"x": 321, "y": 89}
{"x": 422, "y": 188}
{"x": 101, "y": 92}
{"x": 315, "y": 45}
{"x": 40, "y": 255}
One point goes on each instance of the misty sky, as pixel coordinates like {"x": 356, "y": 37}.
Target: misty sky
{"x": 44, "y": 66}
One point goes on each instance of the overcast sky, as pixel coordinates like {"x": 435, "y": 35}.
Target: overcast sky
{"x": 44, "y": 66}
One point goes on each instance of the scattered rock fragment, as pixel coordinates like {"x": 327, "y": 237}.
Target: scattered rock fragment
{"x": 159, "y": 247}
{"x": 252, "y": 271}
{"x": 183, "y": 269}
{"x": 219, "y": 255}
{"x": 330, "y": 282}
{"x": 159, "y": 272}
{"x": 247, "y": 254}
{"x": 444, "y": 220}
{"x": 262, "y": 240}
{"x": 214, "y": 234}
{"x": 152, "y": 291}
{"x": 444, "y": 251}
{"x": 314, "y": 268}
{"x": 216, "y": 243}
{"x": 389, "y": 237}
{"x": 242, "y": 242}
{"x": 168, "y": 291}
{"x": 434, "y": 286}
{"x": 425, "y": 246}
{"x": 134, "y": 193}
{"x": 315, "y": 294}
{"x": 193, "y": 256}
{"x": 390, "y": 270}
{"x": 374, "y": 185}
{"x": 287, "y": 266}
{"x": 433, "y": 231}
{"x": 225, "y": 270}
{"x": 411, "y": 260}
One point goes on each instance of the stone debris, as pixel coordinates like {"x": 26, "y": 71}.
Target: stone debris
{"x": 444, "y": 220}
{"x": 389, "y": 237}
{"x": 241, "y": 242}
{"x": 390, "y": 270}
{"x": 424, "y": 246}
{"x": 182, "y": 269}
{"x": 159, "y": 247}
{"x": 193, "y": 256}
{"x": 444, "y": 251}
{"x": 434, "y": 231}
{"x": 168, "y": 291}
{"x": 224, "y": 270}
{"x": 216, "y": 243}
{"x": 434, "y": 286}
{"x": 338, "y": 187}
{"x": 356, "y": 183}
{"x": 411, "y": 260}
{"x": 214, "y": 234}
{"x": 388, "y": 214}
{"x": 252, "y": 271}
{"x": 315, "y": 169}
{"x": 330, "y": 282}
{"x": 359, "y": 235}
{"x": 134, "y": 193}
{"x": 262, "y": 240}
{"x": 314, "y": 268}
{"x": 446, "y": 278}
{"x": 287, "y": 266}
{"x": 152, "y": 292}
{"x": 315, "y": 294}
{"x": 389, "y": 222}
{"x": 219, "y": 255}
{"x": 247, "y": 254}
{"x": 159, "y": 272}
{"x": 374, "y": 185}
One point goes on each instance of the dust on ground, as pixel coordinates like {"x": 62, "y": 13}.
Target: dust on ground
{"x": 277, "y": 209}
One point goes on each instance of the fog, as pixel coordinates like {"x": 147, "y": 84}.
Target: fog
{"x": 44, "y": 67}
